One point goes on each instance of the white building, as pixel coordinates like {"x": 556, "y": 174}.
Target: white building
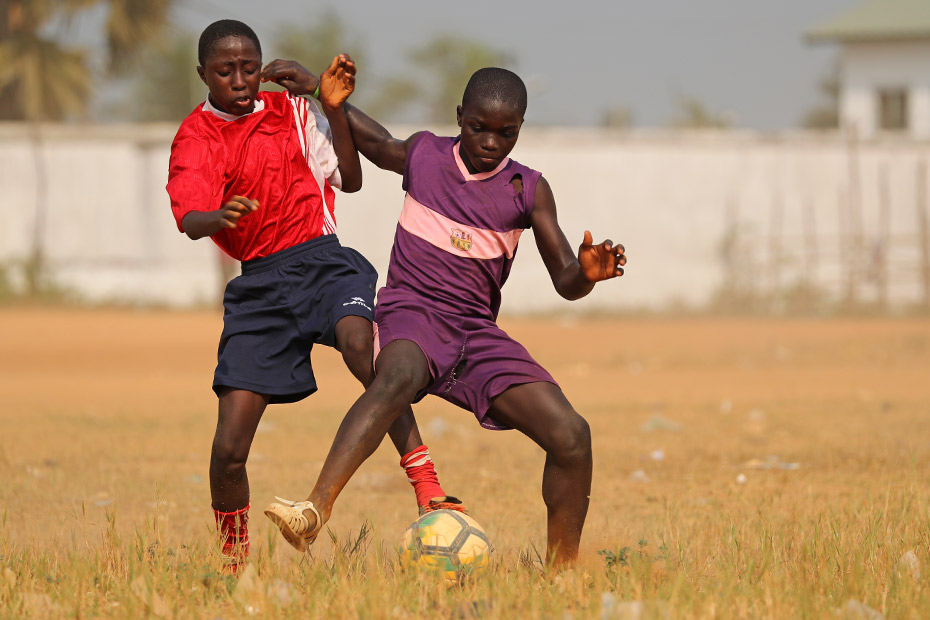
{"x": 885, "y": 75}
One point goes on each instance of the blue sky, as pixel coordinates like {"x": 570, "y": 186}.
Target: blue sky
{"x": 745, "y": 58}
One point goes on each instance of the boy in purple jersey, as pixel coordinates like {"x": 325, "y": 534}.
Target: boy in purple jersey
{"x": 465, "y": 208}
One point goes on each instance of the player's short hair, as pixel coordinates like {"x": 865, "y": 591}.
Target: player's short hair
{"x": 219, "y": 30}
{"x": 495, "y": 84}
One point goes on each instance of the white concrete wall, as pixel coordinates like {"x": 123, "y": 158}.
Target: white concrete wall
{"x": 110, "y": 236}
{"x": 871, "y": 66}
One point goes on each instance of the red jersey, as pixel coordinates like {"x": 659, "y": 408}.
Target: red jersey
{"x": 280, "y": 154}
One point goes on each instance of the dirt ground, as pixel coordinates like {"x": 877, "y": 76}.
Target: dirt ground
{"x": 108, "y": 414}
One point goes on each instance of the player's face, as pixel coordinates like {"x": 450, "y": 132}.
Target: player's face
{"x": 489, "y": 132}
{"x": 232, "y": 72}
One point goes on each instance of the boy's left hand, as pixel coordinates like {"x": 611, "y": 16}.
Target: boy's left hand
{"x": 602, "y": 261}
{"x": 337, "y": 82}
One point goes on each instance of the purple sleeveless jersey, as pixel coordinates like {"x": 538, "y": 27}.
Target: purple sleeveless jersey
{"x": 453, "y": 249}
{"x": 458, "y": 232}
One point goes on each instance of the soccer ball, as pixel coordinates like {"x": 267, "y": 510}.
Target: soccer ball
{"x": 448, "y": 542}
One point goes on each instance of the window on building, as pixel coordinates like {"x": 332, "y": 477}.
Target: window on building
{"x": 892, "y": 109}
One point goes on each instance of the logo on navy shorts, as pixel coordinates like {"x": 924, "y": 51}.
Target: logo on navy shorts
{"x": 461, "y": 240}
{"x": 357, "y": 301}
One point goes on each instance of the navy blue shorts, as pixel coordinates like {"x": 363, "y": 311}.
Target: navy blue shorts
{"x": 280, "y": 307}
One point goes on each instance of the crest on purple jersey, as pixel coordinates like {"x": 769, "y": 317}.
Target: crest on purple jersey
{"x": 461, "y": 240}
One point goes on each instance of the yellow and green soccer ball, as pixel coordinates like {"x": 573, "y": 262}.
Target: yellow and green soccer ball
{"x": 447, "y": 542}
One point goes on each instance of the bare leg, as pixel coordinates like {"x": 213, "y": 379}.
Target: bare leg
{"x": 403, "y": 372}
{"x": 239, "y": 414}
{"x": 355, "y": 341}
{"x": 541, "y": 412}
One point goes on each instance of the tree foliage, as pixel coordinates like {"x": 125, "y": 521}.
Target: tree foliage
{"x": 314, "y": 46}
{"x": 826, "y": 115}
{"x": 694, "y": 114}
{"x": 428, "y": 91}
{"x": 42, "y": 78}
{"x": 130, "y": 25}
{"x": 445, "y": 63}
{"x": 167, "y": 86}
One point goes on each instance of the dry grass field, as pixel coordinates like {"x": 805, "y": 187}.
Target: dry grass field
{"x": 744, "y": 468}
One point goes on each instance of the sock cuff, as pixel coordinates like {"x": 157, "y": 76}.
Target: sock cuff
{"x": 235, "y": 513}
{"x": 416, "y": 457}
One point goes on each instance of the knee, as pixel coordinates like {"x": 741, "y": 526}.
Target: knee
{"x": 357, "y": 349}
{"x": 229, "y": 453}
{"x": 574, "y": 445}
{"x": 400, "y": 382}
{"x": 358, "y": 346}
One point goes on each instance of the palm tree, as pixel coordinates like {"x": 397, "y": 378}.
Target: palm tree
{"x": 43, "y": 80}
{"x": 39, "y": 78}
{"x": 172, "y": 62}
{"x": 131, "y": 24}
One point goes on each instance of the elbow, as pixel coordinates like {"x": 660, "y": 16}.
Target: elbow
{"x": 572, "y": 295}
{"x": 350, "y": 187}
{"x": 574, "y": 290}
{"x": 193, "y": 232}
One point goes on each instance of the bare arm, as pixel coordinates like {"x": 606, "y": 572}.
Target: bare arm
{"x": 337, "y": 83}
{"x": 370, "y": 138}
{"x": 376, "y": 143}
{"x": 573, "y": 277}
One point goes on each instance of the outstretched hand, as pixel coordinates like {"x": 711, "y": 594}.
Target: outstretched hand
{"x": 602, "y": 261}
{"x": 337, "y": 82}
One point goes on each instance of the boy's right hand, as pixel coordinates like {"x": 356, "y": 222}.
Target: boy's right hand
{"x": 230, "y": 213}
{"x": 291, "y": 75}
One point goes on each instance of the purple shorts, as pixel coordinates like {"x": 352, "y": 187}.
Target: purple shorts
{"x": 471, "y": 360}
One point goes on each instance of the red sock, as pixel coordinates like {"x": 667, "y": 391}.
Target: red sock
{"x": 422, "y": 475}
{"x": 233, "y": 529}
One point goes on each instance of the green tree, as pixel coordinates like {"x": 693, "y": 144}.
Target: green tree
{"x": 694, "y": 114}
{"x": 826, "y": 115}
{"x": 166, "y": 87}
{"x": 131, "y": 25}
{"x": 617, "y": 116}
{"x": 42, "y": 79}
{"x": 447, "y": 62}
{"x": 315, "y": 46}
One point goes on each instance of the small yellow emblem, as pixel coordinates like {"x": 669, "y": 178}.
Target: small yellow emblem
{"x": 461, "y": 240}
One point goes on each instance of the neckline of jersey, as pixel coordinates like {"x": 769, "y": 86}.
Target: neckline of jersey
{"x": 481, "y": 176}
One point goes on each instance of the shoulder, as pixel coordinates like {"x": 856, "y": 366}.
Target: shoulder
{"x": 525, "y": 170}
{"x": 195, "y": 127}
{"x": 428, "y": 142}
{"x": 531, "y": 178}
{"x": 193, "y": 121}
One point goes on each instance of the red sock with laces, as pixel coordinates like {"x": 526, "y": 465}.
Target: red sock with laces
{"x": 422, "y": 475}
{"x": 233, "y": 529}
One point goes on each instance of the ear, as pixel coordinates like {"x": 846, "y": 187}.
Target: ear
{"x": 458, "y": 115}
{"x": 200, "y": 72}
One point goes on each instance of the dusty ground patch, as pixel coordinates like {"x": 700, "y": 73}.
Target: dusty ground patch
{"x": 704, "y": 429}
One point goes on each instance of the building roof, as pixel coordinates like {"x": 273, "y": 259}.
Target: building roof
{"x": 877, "y": 20}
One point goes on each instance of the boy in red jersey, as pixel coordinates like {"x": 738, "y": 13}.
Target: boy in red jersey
{"x": 466, "y": 205}
{"x": 255, "y": 171}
